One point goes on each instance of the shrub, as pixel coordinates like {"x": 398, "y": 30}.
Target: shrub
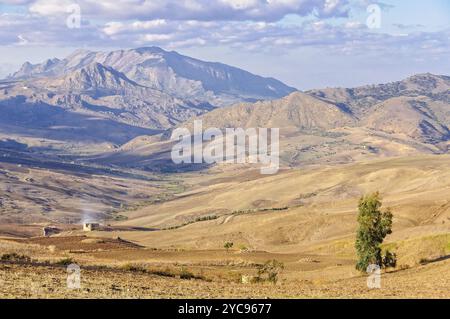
{"x": 16, "y": 258}
{"x": 228, "y": 245}
{"x": 243, "y": 248}
{"x": 205, "y": 218}
{"x": 389, "y": 260}
{"x": 164, "y": 273}
{"x": 185, "y": 274}
{"x": 134, "y": 268}
{"x": 269, "y": 271}
{"x": 65, "y": 262}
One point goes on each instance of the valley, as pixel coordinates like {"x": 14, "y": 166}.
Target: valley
{"x": 87, "y": 139}
{"x": 304, "y": 218}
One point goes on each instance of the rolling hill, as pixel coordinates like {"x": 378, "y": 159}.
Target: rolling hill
{"x": 330, "y": 126}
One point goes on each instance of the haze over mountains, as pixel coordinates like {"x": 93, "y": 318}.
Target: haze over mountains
{"x": 337, "y": 125}
{"x": 112, "y": 97}
{"x": 87, "y": 138}
{"x": 146, "y": 87}
{"x": 126, "y": 100}
{"x": 181, "y": 76}
{"x": 419, "y": 104}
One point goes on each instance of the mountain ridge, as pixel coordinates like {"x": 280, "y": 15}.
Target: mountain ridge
{"x": 182, "y": 76}
{"x": 331, "y": 125}
{"x": 361, "y": 98}
{"x": 315, "y": 131}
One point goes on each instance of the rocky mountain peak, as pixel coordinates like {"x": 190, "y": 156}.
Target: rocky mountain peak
{"x": 181, "y": 76}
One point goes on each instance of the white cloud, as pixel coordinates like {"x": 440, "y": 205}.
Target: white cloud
{"x": 193, "y": 23}
{"x": 205, "y": 10}
{"x": 51, "y": 7}
{"x": 17, "y": 2}
{"x": 112, "y": 28}
{"x": 28, "y": 29}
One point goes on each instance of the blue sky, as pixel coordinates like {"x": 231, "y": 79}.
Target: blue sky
{"x": 305, "y": 43}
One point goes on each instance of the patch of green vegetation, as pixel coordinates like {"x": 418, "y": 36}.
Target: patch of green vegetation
{"x": 249, "y": 211}
{"x": 243, "y": 211}
{"x": 242, "y": 247}
{"x": 183, "y": 273}
{"x": 14, "y": 257}
{"x": 164, "y": 273}
{"x": 234, "y": 213}
{"x": 134, "y": 268}
{"x": 228, "y": 245}
{"x": 196, "y": 220}
{"x": 274, "y": 209}
{"x": 186, "y": 274}
{"x": 269, "y": 271}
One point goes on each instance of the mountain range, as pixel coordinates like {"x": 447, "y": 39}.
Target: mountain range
{"x": 147, "y": 86}
{"x": 123, "y": 104}
{"x": 111, "y": 97}
{"x": 333, "y": 125}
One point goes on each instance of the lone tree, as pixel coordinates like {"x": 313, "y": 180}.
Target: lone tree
{"x": 374, "y": 226}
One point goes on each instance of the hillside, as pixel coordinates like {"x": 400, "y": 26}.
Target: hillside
{"x": 328, "y": 126}
{"x": 297, "y": 110}
{"x": 359, "y": 100}
{"x": 421, "y": 118}
{"x": 304, "y": 218}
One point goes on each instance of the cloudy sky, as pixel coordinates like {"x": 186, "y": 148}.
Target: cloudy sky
{"x": 305, "y": 43}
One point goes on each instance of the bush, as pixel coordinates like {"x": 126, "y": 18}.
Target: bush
{"x": 185, "y": 274}
{"x": 15, "y": 258}
{"x": 164, "y": 273}
{"x": 134, "y": 268}
{"x": 389, "y": 260}
{"x": 424, "y": 261}
{"x": 243, "y": 248}
{"x": 269, "y": 271}
{"x": 65, "y": 262}
{"x": 228, "y": 245}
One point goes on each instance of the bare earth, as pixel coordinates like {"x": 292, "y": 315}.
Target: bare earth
{"x": 304, "y": 218}
{"x": 50, "y": 282}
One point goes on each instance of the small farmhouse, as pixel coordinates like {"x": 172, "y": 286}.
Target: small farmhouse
{"x": 90, "y": 226}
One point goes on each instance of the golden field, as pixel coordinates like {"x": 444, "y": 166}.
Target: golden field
{"x": 304, "y": 218}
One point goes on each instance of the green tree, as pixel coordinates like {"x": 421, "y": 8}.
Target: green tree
{"x": 228, "y": 245}
{"x": 374, "y": 226}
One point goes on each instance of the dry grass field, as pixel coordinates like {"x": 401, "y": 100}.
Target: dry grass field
{"x": 304, "y": 218}
{"x": 34, "y": 194}
{"x": 159, "y": 175}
